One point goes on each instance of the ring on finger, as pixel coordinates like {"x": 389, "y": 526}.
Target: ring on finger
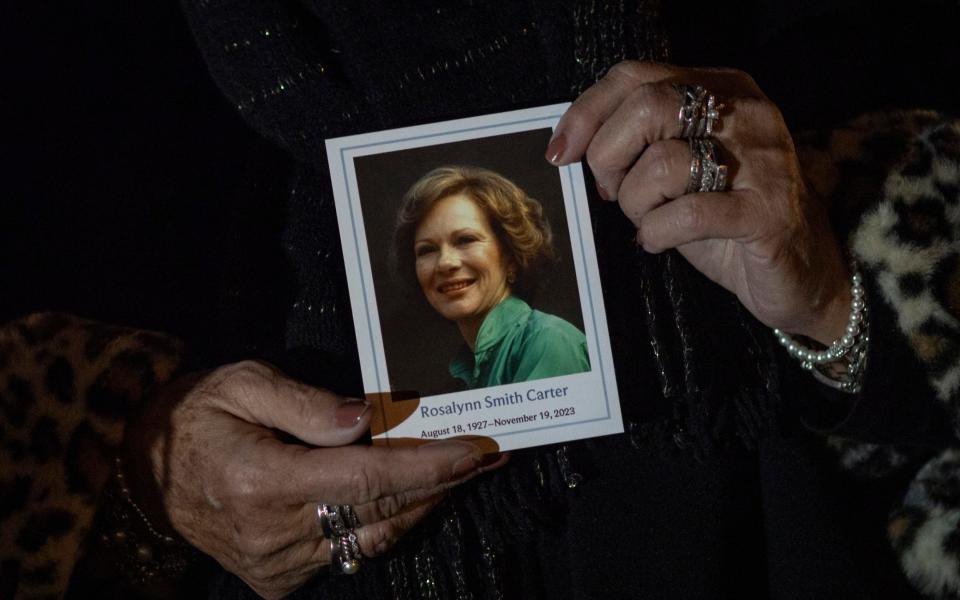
{"x": 706, "y": 173}
{"x": 345, "y": 552}
{"x": 699, "y": 112}
{"x": 338, "y": 522}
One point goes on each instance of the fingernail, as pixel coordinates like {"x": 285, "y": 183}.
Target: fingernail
{"x": 466, "y": 456}
{"x": 490, "y": 459}
{"x": 602, "y": 191}
{"x": 465, "y": 465}
{"x": 556, "y": 148}
{"x": 349, "y": 414}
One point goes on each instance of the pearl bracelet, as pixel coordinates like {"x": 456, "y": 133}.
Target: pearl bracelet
{"x": 850, "y": 347}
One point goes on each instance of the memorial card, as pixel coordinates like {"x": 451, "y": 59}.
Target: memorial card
{"x": 474, "y": 284}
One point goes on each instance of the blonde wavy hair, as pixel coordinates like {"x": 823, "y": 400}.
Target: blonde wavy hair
{"x": 517, "y": 219}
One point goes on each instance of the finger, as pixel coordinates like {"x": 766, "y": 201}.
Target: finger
{"x": 380, "y": 509}
{"x": 315, "y": 415}
{"x": 261, "y": 394}
{"x": 297, "y": 563}
{"x": 378, "y": 537}
{"x": 375, "y": 537}
{"x": 660, "y": 174}
{"x": 695, "y": 217}
{"x": 585, "y": 116}
{"x": 386, "y": 507}
{"x": 359, "y": 474}
{"x": 646, "y": 115}
{"x": 275, "y": 570}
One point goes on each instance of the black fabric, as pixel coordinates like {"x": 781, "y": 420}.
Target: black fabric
{"x": 823, "y": 62}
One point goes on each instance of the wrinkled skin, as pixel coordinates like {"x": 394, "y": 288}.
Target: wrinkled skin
{"x": 766, "y": 239}
{"x": 239, "y": 490}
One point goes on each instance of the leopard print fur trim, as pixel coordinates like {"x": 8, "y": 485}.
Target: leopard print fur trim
{"x": 848, "y": 167}
{"x": 909, "y": 242}
{"x": 912, "y": 241}
{"x": 925, "y": 532}
{"x": 66, "y": 388}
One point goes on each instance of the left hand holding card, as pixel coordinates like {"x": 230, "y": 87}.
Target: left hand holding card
{"x": 235, "y": 490}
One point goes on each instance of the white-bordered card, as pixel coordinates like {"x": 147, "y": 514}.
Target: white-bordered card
{"x": 457, "y": 336}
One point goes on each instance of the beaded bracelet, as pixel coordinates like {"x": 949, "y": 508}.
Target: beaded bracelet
{"x": 850, "y": 348}
{"x": 146, "y": 554}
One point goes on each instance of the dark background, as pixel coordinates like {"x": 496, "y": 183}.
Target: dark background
{"x": 121, "y": 165}
{"x": 129, "y": 184}
{"x": 419, "y": 343}
{"x": 124, "y": 172}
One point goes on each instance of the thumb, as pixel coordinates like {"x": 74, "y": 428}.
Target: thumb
{"x": 260, "y": 393}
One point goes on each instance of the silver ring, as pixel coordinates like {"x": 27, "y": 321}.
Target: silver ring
{"x": 345, "y": 551}
{"x": 338, "y": 522}
{"x": 706, "y": 174}
{"x": 699, "y": 111}
{"x": 696, "y": 170}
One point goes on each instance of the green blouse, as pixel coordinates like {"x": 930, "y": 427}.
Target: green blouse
{"x": 516, "y": 343}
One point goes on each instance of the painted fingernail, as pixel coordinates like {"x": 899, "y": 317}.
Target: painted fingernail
{"x": 349, "y": 414}
{"x": 465, "y": 465}
{"x": 467, "y": 456}
{"x": 555, "y": 149}
{"x": 490, "y": 459}
{"x": 602, "y": 191}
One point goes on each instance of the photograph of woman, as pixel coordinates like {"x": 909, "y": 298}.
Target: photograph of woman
{"x": 474, "y": 241}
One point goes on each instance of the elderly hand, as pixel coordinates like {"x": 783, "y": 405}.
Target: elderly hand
{"x": 766, "y": 238}
{"x": 240, "y": 493}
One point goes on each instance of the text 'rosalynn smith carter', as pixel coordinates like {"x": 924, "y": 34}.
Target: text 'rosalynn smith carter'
{"x": 509, "y": 398}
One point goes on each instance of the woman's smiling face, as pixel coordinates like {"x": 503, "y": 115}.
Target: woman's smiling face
{"x": 460, "y": 265}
